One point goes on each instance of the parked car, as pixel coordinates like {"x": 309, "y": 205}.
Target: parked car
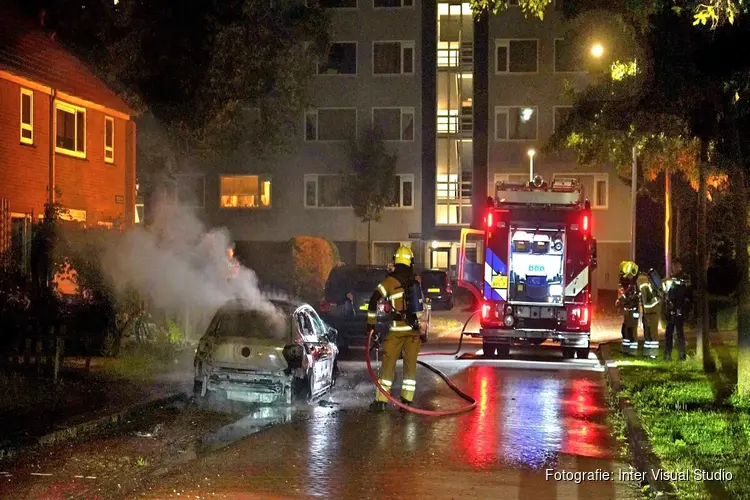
{"x": 347, "y": 297}
{"x": 436, "y": 287}
{"x": 265, "y": 357}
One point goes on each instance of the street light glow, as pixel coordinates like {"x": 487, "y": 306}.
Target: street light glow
{"x": 531, "y": 152}
{"x": 597, "y": 50}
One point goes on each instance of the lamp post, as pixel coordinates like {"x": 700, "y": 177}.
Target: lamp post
{"x": 531, "y": 154}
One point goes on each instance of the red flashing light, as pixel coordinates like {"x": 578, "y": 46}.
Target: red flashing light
{"x": 585, "y": 222}
{"x": 489, "y": 220}
{"x": 485, "y": 311}
{"x": 585, "y": 315}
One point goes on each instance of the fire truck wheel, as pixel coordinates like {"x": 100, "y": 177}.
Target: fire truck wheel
{"x": 489, "y": 349}
{"x": 503, "y": 350}
{"x": 568, "y": 352}
{"x": 583, "y": 353}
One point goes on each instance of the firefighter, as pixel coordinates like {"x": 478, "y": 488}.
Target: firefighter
{"x": 403, "y": 293}
{"x": 678, "y": 294}
{"x": 628, "y": 300}
{"x": 651, "y": 304}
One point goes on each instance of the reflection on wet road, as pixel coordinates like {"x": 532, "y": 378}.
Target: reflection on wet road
{"x": 526, "y": 421}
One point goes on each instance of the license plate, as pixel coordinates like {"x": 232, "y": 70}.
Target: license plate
{"x": 433, "y": 290}
{"x": 364, "y": 307}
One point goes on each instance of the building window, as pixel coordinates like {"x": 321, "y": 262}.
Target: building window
{"x": 326, "y": 191}
{"x": 516, "y": 56}
{"x": 245, "y": 191}
{"x": 109, "y": 139}
{"x": 595, "y": 187}
{"x": 396, "y": 124}
{"x": 403, "y": 192}
{"x": 331, "y": 124}
{"x": 392, "y": 4}
{"x": 447, "y": 121}
{"x": 342, "y": 60}
{"x": 334, "y": 4}
{"x": 190, "y": 190}
{"x": 560, "y": 115}
{"x": 516, "y": 123}
{"x": 567, "y": 58}
{"x": 27, "y": 116}
{"x": 393, "y": 58}
{"x": 70, "y": 126}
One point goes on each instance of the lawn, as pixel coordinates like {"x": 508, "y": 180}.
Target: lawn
{"x": 693, "y": 420}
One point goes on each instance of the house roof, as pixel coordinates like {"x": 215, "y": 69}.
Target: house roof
{"x": 27, "y": 51}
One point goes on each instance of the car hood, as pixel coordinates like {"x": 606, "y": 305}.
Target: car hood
{"x": 248, "y": 353}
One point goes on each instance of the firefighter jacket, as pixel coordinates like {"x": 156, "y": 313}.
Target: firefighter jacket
{"x": 679, "y": 294}
{"x": 649, "y": 296}
{"x": 392, "y": 290}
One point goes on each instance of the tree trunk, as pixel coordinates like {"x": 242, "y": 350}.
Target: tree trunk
{"x": 739, "y": 186}
{"x": 702, "y": 318}
{"x": 667, "y": 223}
{"x": 369, "y": 242}
{"x": 676, "y": 225}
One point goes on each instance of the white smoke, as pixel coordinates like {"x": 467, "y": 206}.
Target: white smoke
{"x": 178, "y": 264}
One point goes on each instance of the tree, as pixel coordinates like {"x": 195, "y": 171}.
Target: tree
{"x": 371, "y": 181}
{"x": 200, "y": 69}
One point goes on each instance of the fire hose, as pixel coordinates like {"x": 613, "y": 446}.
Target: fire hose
{"x": 432, "y": 413}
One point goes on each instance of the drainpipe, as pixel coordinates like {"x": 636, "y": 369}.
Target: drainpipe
{"x": 52, "y": 139}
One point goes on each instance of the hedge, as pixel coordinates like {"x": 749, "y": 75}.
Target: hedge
{"x": 312, "y": 261}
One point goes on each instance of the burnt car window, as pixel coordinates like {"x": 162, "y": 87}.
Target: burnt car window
{"x": 242, "y": 323}
{"x": 306, "y": 327}
{"x": 343, "y": 281}
{"x": 433, "y": 279}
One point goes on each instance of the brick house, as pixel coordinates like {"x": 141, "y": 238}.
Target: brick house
{"x": 46, "y": 94}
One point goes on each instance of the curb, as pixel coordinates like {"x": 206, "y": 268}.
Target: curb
{"x": 644, "y": 459}
{"x": 83, "y": 429}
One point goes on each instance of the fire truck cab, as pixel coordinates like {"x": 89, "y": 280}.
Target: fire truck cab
{"x": 530, "y": 267}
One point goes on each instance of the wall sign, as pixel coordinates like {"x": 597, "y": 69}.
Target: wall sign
{"x": 120, "y": 200}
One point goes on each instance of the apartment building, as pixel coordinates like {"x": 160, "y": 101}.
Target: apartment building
{"x": 461, "y": 102}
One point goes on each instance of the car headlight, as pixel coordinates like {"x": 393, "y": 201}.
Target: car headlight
{"x": 555, "y": 290}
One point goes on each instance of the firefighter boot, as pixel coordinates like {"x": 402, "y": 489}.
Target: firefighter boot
{"x": 378, "y": 406}
{"x": 405, "y": 403}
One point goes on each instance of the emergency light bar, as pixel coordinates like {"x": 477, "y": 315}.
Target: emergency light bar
{"x": 568, "y": 193}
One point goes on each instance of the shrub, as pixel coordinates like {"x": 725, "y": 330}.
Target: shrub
{"x": 312, "y": 261}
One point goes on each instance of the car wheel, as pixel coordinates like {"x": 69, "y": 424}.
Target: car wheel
{"x": 450, "y": 305}
{"x": 568, "y": 352}
{"x": 488, "y": 349}
{"x": 503, "y": 350}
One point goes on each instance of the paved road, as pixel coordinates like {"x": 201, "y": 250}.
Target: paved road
{"x": 534, "y": 413}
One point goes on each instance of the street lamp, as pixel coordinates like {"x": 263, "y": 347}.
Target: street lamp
{"x": 597, "y": 50}
{"x": 531, "y": 154}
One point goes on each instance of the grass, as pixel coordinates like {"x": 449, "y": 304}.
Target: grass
{"x": 137, "y": 362}
{"x": 694, "y": 420}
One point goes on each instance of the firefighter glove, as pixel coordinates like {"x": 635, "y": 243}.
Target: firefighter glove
{"x": 375, "y": 338}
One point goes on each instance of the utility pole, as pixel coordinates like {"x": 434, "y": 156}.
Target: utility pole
{"x": 633, "y": 200}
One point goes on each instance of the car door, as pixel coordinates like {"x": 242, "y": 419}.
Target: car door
{"x": 328, "y": 348}
{"x": 321, "y": 353}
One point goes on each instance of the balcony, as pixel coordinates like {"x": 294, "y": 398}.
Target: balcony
{"x": 467, "y": 54}
{"x": 455, "y": 55}
{"x": 467, "y": 120}
{"x": 449, "y": 121}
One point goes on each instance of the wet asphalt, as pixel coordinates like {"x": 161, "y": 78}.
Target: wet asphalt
{"x": 536, "y": 416}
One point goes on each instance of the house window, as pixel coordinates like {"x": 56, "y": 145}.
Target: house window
{"x": 595, "y": 187}
{"x": 392, "y": 4}
{"x": 334, "y": 4}
{"x": 331, "y": 124}
{"x": 342, "y": 60}
{"x": 516, "y": 56}
{"x": 447, "y": 121}
{"x": 515, "y": 123}
{"x": 109, "y": 139}
{"x": 190, "y": 190}
{"x": 393, "y": 58}
{"x": 27, "y": 116}
{"x": 245, "y": 191}
{"x": 326, "y": 191}
{"x": 396, "y": 124}
{"x": 70, "y": 126}
{"x": 568, "y": 59}
{"x": 561, "y": 114}
{"x": 403, "y": 192}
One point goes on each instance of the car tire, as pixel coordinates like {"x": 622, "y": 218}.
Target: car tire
{"x": 503, "y": 350}
{"x": 449, "y": 307}
{"x": 488, "y": 349}
{"x": 583, "y": 352}
{"x": 568, "y": 352}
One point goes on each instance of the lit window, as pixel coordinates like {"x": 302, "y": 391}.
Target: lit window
{"x": 70, "y": 126}
{"x": 447, "y": 121}
{"x": 109, "y": 139}
{"x": 27, "y": 116}
{"x": 393, "y": 58}
{"x": 396, "y": 124}
{"x": 245, "y": 191}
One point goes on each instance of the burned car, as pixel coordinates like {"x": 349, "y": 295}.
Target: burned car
{"x": 255, "y": 356}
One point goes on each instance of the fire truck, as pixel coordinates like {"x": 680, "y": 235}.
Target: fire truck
{"x": 530, "y": 267}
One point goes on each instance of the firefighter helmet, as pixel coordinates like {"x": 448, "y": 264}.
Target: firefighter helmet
{"x": 628, "y": 269}
{"x": 404, "y": 256}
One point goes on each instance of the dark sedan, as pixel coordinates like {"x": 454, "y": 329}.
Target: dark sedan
{"x": 436, "y": 286}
